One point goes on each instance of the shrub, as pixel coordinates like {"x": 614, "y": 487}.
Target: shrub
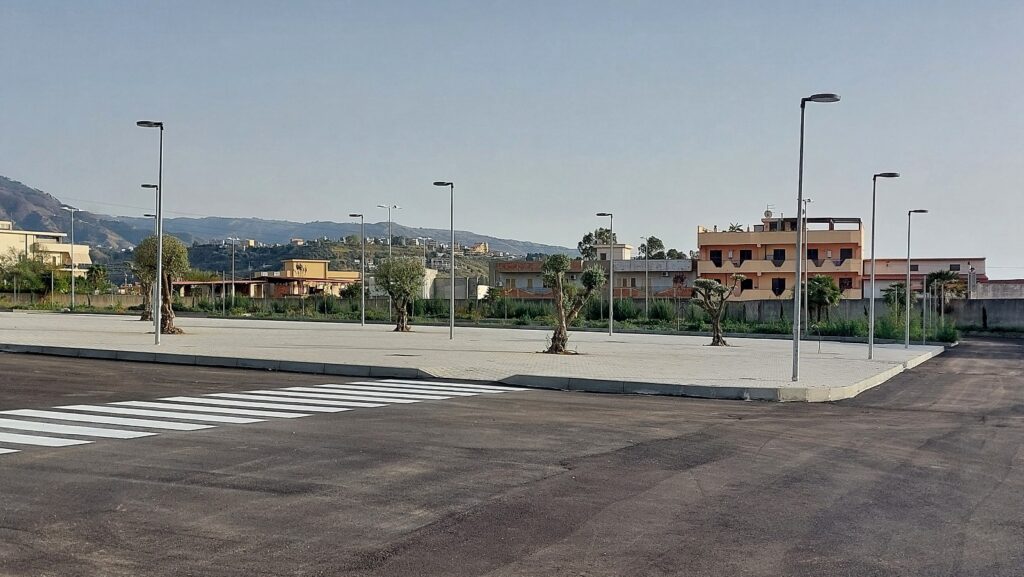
{"x": 662, "y": 311}
{"x": 626, "y": 309}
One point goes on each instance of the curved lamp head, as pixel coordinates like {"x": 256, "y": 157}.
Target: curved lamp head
{"x": 918, "y": 211}
{"x": 150, "y": 124}
{"x": 149, "y": 215}
{"x": 67, "y": 207}
{"x": 887, "y": 175}
{"x": 442, "y": 183}
{"x": 150, "y": 186}
{"x": 354, "y": 215}
{"x": 604, "y": 214}
{"x": 823, "y": 97}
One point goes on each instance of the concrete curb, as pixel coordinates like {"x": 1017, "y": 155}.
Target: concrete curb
{"x": 784, "y": 394}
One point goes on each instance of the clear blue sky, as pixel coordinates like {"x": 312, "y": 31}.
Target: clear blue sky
{"x": 670, "y": 114}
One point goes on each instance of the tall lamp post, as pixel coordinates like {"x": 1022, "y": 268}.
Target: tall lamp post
{"x": 233, "y": 241}
{"x": 159, "y": 227}
{"x": 611, "y": 271}
{"x": 388, "y": 207}
{"x": 906, "y": 330}
{"x": 152, "y": 293}
{"x": 807, "y": 267}
{"x": 825, "y": 97}
{"x": 72, "y": 210}
{"x": 647, "y": 276}
{"x": 451, "y": 306}
{"x": 362, "y": 268}
{"x": 874, "y": 262}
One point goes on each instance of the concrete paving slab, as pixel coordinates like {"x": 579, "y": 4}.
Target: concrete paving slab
{"x": 631, "y": 363}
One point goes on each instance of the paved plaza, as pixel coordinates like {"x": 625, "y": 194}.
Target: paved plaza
{"x": 635, "y": 363}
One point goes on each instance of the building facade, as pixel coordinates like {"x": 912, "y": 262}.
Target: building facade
{"x": 894, "y": 270}
{"x": 635, "y": 278}
{"x": 50, "y": 246}
{"x": 766, "y": 255}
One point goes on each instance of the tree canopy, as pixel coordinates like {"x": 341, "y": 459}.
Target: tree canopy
{"x": 588, "y": 245}
{"x": 569, "y": 298}
{"x": 402, "y": 279}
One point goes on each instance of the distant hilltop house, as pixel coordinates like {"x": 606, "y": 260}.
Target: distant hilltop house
{"x": 478, "y": 248}
{"x": 50, "y": 246}
{"x": 297, "y": 241}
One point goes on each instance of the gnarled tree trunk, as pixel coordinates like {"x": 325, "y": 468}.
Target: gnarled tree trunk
{"x": 166, "y": 311}
{"x": 147, "y": 301}
{"x": 717, "y": 339}
{"x": 402, "y": 316}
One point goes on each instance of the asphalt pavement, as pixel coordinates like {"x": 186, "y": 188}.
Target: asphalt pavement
{"x": 919, "y": 476}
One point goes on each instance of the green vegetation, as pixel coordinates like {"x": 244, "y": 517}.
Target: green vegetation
{"x": 571, "y": 297}
{"x": 713, "y": 296}
{"x": 402, "y": 279}
{"x": 175, "y": 265}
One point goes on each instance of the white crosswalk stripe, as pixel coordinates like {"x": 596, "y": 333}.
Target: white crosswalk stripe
{"x": 290, "y": 396}
{"x": 265, "y": 405}
{"x": 219, "y": 410}
{"x": 464, "y": 386}
{"x": 162, "y": 414}
{"x": 194, "y": 413}
{"x": 397, "y": 389}
{"x": 103, "y": 419}
{"x": 70, "y": 429}
{"x": 41, "y": 441}
{"x": 324, "y": 392}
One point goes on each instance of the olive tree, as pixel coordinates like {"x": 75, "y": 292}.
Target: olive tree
{"x": 175, "y": 264}
{"x": 712, "y": 296}
{"x": 569, "y": 298}
{"x": 402, "y": 279}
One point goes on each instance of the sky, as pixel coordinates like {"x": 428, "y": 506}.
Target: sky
{"x": 668, "y": 114}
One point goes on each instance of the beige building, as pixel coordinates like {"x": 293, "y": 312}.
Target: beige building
{"x": 50, "y": 246}
{"x": 766, "y": 255}
{"x": 894, "y": 270}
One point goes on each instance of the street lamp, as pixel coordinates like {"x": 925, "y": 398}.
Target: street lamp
{"x": 807, "y": 266}
{"x": 824, "y": 97}
{"x": 906, "y": 330}
{"x": 874, "y": 262}
{"x": 154, "y": 295}
{"x": 233, "y": 241}
{"x": 451, "y": 306}
{"x": 159, "y": 227}
{"x": 72, "y": 210}
{"x": 362, "y": 270}
{"x": 389, "y": 207}
{"x": 647, "y": 276}
{"x": 611, "y": 270}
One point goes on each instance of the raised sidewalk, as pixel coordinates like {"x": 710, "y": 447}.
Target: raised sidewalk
{"x": 628, "y": 363}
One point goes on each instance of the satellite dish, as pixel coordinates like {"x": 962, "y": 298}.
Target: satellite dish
{"x": 767, "y": 214}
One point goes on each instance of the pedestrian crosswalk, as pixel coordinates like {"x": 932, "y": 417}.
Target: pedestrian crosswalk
{"x": 70, "y": 425}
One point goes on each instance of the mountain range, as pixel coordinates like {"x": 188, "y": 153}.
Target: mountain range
{"x": 33, "y": 209}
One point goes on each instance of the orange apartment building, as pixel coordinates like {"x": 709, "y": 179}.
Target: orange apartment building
{"x": 766, "y": 254}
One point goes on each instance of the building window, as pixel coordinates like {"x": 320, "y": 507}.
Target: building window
{"x": 603, "y": 256}
{"x": 845, "y": 284}
{"x": 845, "y": 253}
{"x": 778, "y": 286}
{"x": 625, "y": 283}
{"x": 954, "y": 267}
{"x": 716, "y": 257}
{"x": 779, "y": 255}
{"x": 913, "y": 268}
{"x": 632, "y": 282}
{"x": 529, "y": 283}
{"x": 812, "y": 254}
{"x": 510, "y": 283}
{"x": 745, "y": 255}
{"x": 748, "y": 283}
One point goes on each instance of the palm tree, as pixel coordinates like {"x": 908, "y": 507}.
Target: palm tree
{"x": 735, "y": 227}
{"x": 822, "y": 294}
